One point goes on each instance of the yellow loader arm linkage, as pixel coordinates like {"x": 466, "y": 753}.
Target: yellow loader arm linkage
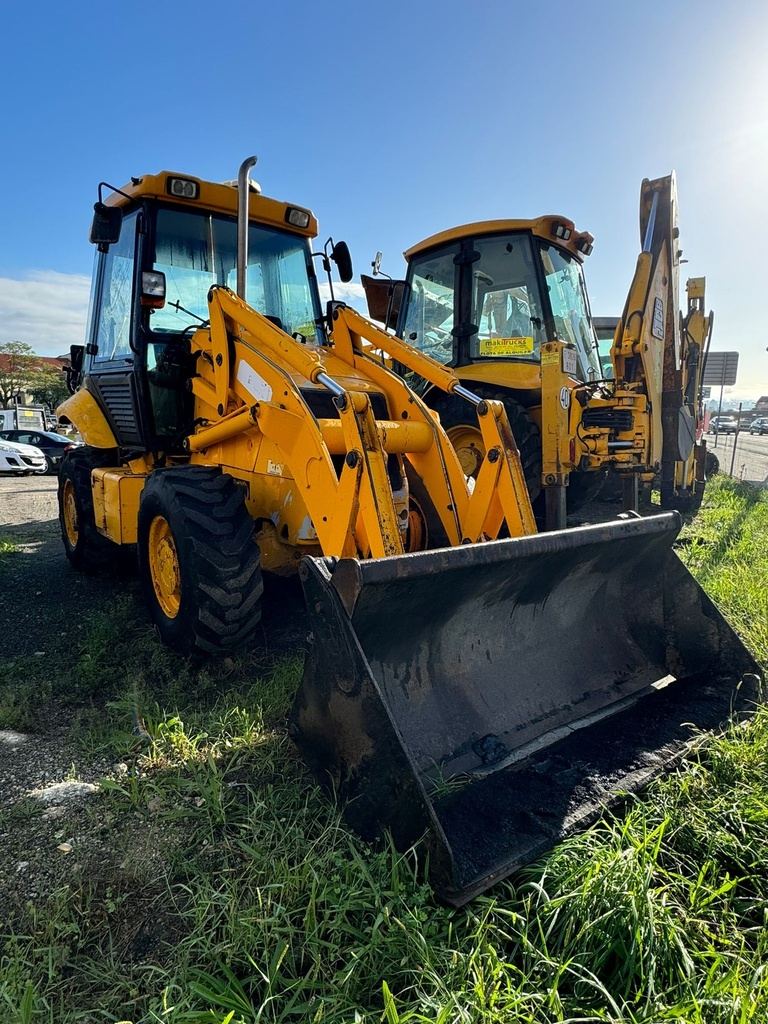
{"x": 500, "y": 492}
{"x": 353, "y": 513}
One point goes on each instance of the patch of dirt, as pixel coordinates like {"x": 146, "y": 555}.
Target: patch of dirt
{"x": 42, "y": 600}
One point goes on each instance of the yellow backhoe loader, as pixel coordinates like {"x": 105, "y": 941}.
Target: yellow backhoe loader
{"x": 491, "y": 694}
{"x": 505, "y": 305}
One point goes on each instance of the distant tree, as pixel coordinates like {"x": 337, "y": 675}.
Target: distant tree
{"x": 18, "y": 365}
{"x": 48, "y": 387}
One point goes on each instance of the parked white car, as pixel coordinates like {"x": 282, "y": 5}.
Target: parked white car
{"x": 21, "y": 458}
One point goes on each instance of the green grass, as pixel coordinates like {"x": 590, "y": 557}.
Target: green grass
{"x": 230, "y": 889}
{"x": 7, "y": 547}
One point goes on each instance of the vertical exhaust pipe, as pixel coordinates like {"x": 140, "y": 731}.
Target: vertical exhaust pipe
{"x": 243, "y": 195}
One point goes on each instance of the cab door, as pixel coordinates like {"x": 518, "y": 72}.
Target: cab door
{"x": 111, "y": 353}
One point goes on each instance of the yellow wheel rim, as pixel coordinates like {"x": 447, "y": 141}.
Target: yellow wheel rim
{"x": 164, "y": 567}
{"x": 468, "y": 445}
{"x": 69, "y": 512}
{"x": 416, "y": 527}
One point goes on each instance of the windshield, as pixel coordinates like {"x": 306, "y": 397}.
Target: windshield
{"x": 506, "y": 304}
{"x": 568, "y": 299}
{"x": 196, "y": 250}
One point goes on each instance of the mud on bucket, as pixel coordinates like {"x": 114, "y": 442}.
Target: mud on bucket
{"x": 496, "y": 697}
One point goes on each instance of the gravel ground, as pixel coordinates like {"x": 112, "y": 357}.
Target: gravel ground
{"x": 42, "y": 600}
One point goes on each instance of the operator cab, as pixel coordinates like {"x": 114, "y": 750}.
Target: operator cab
{"x": 172, "y": 239}
{"x": 497, "y": 291}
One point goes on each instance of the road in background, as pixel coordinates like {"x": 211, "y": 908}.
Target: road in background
{"x": 751, "y": 462}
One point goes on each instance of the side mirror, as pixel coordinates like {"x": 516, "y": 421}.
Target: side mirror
{"x": 105, "y": 228}
{"x": 153, "y": 289}
{"x": 76, "y": 354}
{"x": 341, "y": 257}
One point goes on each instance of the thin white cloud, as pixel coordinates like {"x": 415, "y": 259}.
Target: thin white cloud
{"x": 45, "y": 309}
{"x": 353, "y": 294}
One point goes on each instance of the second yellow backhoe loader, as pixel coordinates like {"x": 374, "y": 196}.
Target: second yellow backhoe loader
{"x": 491, "y": 695}
{"x": 505, "y": 305}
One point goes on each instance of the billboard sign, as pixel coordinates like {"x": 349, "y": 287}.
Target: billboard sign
{"x": 721, "y": 368}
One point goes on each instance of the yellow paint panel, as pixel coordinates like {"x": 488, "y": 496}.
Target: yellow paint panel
{"x": 83, "y": 410}
{"x": 116, "y": 494}
{"x": 506, "y": 346}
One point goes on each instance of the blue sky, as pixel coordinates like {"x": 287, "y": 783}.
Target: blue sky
{"x": 394, "y": 121}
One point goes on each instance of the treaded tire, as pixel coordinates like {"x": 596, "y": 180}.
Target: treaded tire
{"x": 458, "y": 412}
{"x": 217, "y": 558}
{"x": 84, "y": 546}
{"x": 425, "y": 530}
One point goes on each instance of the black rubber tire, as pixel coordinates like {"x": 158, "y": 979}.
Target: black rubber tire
{"x": 91, "y": 553}
{"x": 219, "y": 563}
{"x": 425, "y": 530}
{"x": 711, "y": 465}
{"x": 456, "y": 411}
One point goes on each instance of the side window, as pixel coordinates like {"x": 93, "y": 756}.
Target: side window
{"x": 113, "y": 329}
{"x": 430, "y": 313}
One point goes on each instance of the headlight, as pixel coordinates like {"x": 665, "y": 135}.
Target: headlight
{"x": 298, "y": 218}
{"x": 183, "y": 188}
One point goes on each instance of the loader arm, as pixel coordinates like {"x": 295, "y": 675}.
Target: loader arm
{"x": 500, "y": 493}
{"x": 244, "y": 355}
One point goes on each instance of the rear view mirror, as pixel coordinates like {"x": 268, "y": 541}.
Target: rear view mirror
{"x": 76, "y": 353}
{"x": 341, "y": 257}
{"x": 105, "y": 227}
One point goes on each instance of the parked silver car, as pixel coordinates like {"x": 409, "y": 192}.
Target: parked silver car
{"x": 759, "y": 426}
{"x": 21, "y": 458}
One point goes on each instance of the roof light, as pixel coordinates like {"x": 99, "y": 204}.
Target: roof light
{"x": 561, "y": 231}
{"x": 183, "y": 188}
{"x": 584, "y": 246}
{"x": 298, "y": 218}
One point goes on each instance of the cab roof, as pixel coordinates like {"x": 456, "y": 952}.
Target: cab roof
{"x": 214, "y": 197}
{"x": 578, "y": 243}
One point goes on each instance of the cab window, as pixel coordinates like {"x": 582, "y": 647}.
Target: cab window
{"x": 197, "y": 250}
{"x": 568, "y": 298}
{"x": 505, "y": 300}
{"x": 430, "y": 313}
{"x": 113, "y": 327}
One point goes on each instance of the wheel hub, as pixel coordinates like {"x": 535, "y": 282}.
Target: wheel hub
{"x": 164, "y": 567}
{"x": 69, "y": 511}
{"x": 467, "y": 442}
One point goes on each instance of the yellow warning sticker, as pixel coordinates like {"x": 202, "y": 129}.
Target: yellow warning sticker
{"x": 549, "y": 357}
{"x": 506, "y": 346}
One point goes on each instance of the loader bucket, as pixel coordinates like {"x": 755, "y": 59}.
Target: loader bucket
{"x": 497, "y": 697}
